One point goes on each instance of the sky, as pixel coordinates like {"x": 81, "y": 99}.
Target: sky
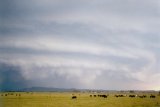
{"x": 86, "y": 44}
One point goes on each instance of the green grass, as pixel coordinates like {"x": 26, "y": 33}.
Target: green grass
{"x": 83, "y": 100}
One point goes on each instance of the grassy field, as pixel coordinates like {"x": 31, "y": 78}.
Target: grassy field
{"x": 48, "y": 99}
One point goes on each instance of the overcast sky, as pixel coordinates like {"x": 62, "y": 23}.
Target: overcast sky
{"x": 94, "y": 44}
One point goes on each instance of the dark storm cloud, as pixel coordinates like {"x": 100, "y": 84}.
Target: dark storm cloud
{"x": 11, "y": 78}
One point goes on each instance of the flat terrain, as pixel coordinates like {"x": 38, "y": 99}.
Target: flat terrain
{"x": 64, "y": 99}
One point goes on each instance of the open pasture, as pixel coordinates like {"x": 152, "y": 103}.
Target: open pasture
{"x": 64, "y": 99}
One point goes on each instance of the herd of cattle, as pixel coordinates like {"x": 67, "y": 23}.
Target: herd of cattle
{"x": 94, "y": 95}
{"x": 10, "y": 94}
{"x": 103, "y": 95}
{"x": 119, "y": 95}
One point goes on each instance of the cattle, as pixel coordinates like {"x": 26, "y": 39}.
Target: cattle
{"x": 104, "y": 96}
{"x": 142, "y": 96}
{"x": 90, "y": 95}
{"x": 132, "y": 96}
{"x": 74, "y": 97}
{"x": 116, "y": 95}
{"x": 152, "y": 96}
{"x": 95, "y": 95}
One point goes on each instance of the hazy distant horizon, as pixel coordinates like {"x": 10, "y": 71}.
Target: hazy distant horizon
{"x": 98, "y": 44}
{"x": 63, "y": 89}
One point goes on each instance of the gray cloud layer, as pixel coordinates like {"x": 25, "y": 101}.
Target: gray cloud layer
{"x": 82, "y": 44}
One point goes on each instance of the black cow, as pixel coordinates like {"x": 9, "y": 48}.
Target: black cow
{"x": 152, "y": 96}
{"x": 74, "y": 97}
{"x": 132, "y": 96}
{"x": 104, "y": 96}
{"x": 144, "y": 96}
{"x": 120, "y": 95}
